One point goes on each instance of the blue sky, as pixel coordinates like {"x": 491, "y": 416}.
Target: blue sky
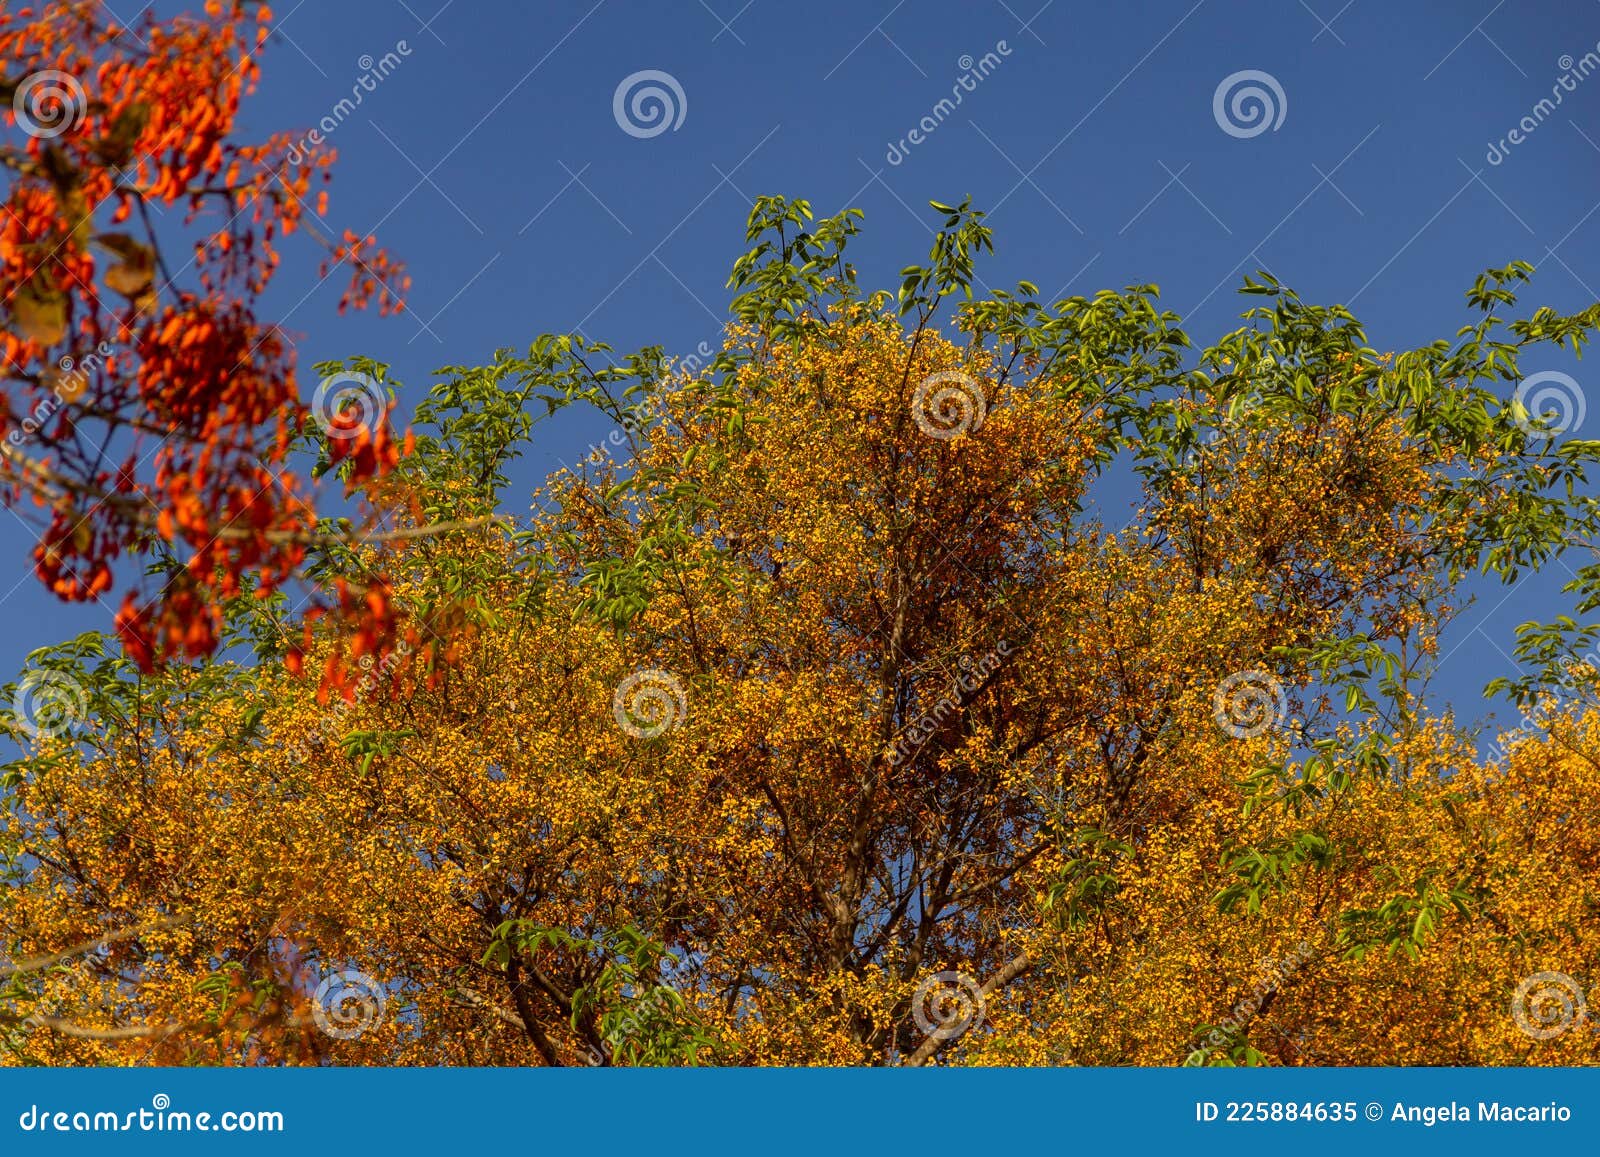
{"x": 490, "y": 159}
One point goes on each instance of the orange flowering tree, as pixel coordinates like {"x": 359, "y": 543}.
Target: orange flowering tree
{"x": 150, "y": 409}
{"x": 936, "y": 677}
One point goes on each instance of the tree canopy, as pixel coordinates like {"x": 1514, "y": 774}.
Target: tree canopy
{"x": 842, "y": 709}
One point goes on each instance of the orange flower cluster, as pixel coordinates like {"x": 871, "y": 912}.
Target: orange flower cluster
{"x": 150, "y": 408}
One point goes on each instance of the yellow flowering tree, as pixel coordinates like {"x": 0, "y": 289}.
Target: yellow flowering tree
{"x": 933, "y": 678}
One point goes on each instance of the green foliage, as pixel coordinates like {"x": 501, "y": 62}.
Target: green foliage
{"x": 1087, "y": 882}
{"x": 1405, "y": 922}
{"x": 626, "y": 1010}
{"x": 1268, "y": 870}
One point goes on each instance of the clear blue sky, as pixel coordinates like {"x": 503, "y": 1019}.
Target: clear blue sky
{"x": 491, "y": 161}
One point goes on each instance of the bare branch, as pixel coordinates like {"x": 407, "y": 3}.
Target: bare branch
{"x": 36, "y": 963}
{"x": 1013, "y": 969}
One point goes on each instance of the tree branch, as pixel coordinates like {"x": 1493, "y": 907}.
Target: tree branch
{"x": 1013, "y": 969}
